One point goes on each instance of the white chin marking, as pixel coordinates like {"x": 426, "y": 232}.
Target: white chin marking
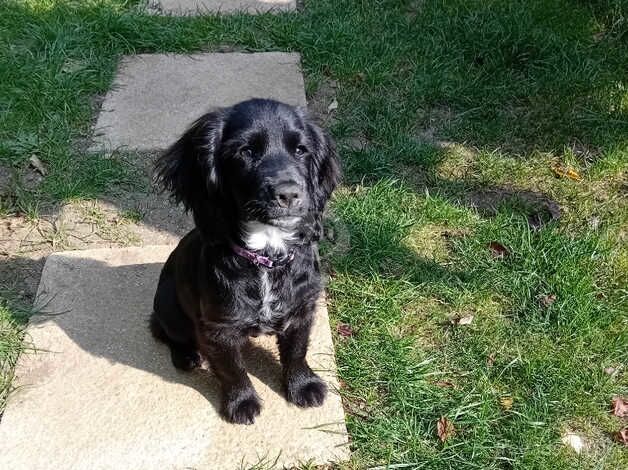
{"x": 259, "y": 236}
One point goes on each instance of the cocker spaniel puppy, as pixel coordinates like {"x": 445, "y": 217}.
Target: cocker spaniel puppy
{"x": 256, "y": 177}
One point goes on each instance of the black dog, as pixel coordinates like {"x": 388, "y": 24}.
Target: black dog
{"x": 256, "y": 177}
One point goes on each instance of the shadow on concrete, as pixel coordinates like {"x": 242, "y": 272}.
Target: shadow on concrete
{"x": 104, "y": 310}
{"x": 96, "y": 377}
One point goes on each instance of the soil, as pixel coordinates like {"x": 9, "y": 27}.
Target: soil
{"x": 128, "y": 218}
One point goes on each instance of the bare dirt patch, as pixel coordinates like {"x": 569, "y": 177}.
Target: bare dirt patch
{"x": 322, "y": 102}
{"x": 539, "y": 208}
{"x": 128, "y": 218}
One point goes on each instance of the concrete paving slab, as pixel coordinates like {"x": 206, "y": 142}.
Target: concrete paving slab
{"x": 155, "y": 97}
{"x": 204, "y": 7}
{"x": 98, "y": 392}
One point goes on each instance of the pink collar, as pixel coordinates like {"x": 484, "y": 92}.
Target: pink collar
{"x": 258, "y": 259}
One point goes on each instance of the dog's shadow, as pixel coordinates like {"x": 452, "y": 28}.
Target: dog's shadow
{"x": 105, "y": 310}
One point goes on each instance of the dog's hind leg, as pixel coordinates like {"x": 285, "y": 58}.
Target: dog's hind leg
{"x": 169, "y": 324}
{"x": 184, "y": 355}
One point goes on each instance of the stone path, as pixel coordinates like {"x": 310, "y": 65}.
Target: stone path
{"x": 156, "y": 96}
{"x": 101, "y": 393}
{"x": 199, "y": 7}
{"x": 96, "y": 391}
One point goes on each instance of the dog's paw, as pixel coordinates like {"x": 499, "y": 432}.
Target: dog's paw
{"x": 243, "y": 408}
{"x": 306, "y": 391}
{"x": 185, "y": 360}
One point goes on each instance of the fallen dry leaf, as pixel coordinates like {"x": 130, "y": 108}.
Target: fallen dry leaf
{"x": 622, "y": 436}
{"x": 566, "y": 172}
{"x": 445, "y": 429}
{"x": 359, "y": 77}
{"x": 356, "y": 406}
{"x": 444, "y": 384}
{"x": 620, "y": 407}
{"x": 332, "y": 106}
{"x": 548, "y": 300}
{"x": 490, "y": 360}
{"x": 466, "y": 319}
{"x": 594, "y": 222}
{"x": 506, "y": 402}
{"x": 72, "y": 65}
{"x": 344, "y": 330}
{"x": 462, "y": 320}
{"x": 497, "y": 249}
{"x": 574, "y": 441}
{"x": 37, "y": 164}
{"x": 610, "y": 370}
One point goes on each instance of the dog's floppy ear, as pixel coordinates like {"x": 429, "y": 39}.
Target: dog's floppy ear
{"x": 324, "y": 166}
{"x": 188, "y": 170}
{"x": 324, "y": 172}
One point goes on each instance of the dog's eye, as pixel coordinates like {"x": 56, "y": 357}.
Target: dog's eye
{"x": 300, "y": 150}
{"x": 246, "y": 152}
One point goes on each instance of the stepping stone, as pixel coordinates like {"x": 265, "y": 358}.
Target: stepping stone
{"x": 155, "y": 97}
{"x": 98, "y": 392}
{"x": 201, "y": 7}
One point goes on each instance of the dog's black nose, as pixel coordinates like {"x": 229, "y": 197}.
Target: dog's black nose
{"x": 288, "y": 195}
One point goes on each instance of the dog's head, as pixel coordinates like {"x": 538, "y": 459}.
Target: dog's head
{"x": 258, "y": 162}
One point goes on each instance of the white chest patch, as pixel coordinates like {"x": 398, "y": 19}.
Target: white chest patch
{"x": 268, "y": 298}
{"x": 259, "y": 236}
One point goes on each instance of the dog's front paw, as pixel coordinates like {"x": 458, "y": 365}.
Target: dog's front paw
{"x": 306, "y": 390}
{"x": 242, "y": 408}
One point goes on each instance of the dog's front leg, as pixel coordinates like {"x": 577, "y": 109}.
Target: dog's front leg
{"x": 303, "y": 387}
{"x": 240, "y": 402}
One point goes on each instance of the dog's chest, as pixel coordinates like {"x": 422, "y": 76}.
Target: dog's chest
{"x": 274, "y": 290}
{"x": 273, "y": 301}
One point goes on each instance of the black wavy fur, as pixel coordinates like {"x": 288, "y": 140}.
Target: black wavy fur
{"x": 259, "y": 161}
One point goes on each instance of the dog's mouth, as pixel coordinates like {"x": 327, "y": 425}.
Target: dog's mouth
{"x": 285, "y": 222}
{"x": 273, "y": 215}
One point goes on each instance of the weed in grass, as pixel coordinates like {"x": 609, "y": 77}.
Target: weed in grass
{"x": 133, "y": 215}
{"x": 108, "y": 226}
{"x": 13, "y": 316}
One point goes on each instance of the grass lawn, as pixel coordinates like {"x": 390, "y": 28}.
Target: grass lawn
{"x": 479, "y": 281}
